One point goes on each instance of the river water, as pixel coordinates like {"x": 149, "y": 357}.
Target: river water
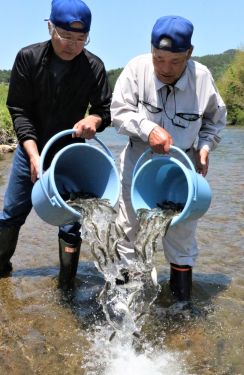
{"x": 43, "y": 331}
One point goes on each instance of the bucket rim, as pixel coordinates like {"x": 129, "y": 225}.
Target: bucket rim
{"x": 186, "y": 172}
{"x": 54, "y": 163}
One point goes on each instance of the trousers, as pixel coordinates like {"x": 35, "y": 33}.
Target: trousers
{"x": 179, "y": 243}
{"x": 17, "y": 199}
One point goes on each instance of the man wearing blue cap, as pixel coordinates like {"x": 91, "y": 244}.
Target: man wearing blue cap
{"x": 160, "y": 99}
{"x": 51, "y": 88}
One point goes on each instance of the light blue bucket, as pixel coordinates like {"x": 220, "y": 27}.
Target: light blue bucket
{"x": 165, "y": 178}
{"x": 78, "y": 167}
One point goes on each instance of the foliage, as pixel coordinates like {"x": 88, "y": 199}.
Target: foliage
{"x": 217, "y": 64}
{"x": 5, "y": 76}
{"x": 113, "y": 76}
{"x": 7, "y": 134}
{"x": 231, "y": 86}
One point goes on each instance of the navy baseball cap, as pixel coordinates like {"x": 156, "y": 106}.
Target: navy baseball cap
{"x": 172, "y": 33}
{"x": 65, "y": 12}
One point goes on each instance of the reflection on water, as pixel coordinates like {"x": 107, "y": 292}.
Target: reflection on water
{"x": 45, "y": 332}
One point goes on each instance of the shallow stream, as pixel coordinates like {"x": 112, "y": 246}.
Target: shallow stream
{"x": 45, "y": 332}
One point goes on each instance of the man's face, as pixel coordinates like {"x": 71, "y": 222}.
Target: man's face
{"x": 67, "y": 44}
{"x": 169, "y": 66}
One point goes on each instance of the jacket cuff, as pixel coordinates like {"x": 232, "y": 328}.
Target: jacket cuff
{"x": 205, "y": 145}
{"x": 146, "y": 126}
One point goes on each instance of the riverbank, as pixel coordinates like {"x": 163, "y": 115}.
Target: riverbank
{"x": 7, "y": 148}
{"x": 4, "y": 148}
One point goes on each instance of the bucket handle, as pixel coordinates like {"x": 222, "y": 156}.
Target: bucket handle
{"x": 54, "y": 202}
{"x": 182, "y": 153}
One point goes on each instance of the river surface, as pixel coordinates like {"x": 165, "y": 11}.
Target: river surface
{"x": 43, "y": 331}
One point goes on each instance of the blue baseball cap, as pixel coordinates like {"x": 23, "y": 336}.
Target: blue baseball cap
{"x": 65, "y": 12}
{"x": 172, "y": 33}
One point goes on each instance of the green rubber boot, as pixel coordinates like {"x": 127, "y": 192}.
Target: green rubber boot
{"x": 69, "y": 259}
{"x": 8, "y": 241}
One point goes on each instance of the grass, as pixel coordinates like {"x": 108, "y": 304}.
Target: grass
{"x": 7, "y": 134}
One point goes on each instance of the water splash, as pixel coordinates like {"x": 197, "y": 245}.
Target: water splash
{"x": 125, "y": 306}
{"x": 120, "y": 357}
{"x": 152, "y": 224}
{"x": 130, "y": 363}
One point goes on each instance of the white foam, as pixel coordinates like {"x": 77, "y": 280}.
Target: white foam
{"x": 127, "y": 361}
{"x": 119, "y": 357}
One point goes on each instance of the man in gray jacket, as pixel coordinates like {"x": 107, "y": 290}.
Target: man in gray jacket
{"x": 162, "y": 99}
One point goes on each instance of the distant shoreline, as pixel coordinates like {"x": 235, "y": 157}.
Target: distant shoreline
{"x": 6, "y": 148}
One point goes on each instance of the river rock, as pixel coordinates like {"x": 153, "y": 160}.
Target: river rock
{"x": 7, "y": 148}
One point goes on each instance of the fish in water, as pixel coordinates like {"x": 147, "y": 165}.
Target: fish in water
{"x": 124, "y": 305}
{"x": 152, "y": 224}
{"x": 170, "y": 205}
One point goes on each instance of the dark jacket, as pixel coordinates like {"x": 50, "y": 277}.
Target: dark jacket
{"x": 39, "y": 108}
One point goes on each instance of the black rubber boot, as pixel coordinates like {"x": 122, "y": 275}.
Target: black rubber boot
{"x": 181, "y": 281}
{"x": 8, "y": 241}
{"x": 69, "y": 259}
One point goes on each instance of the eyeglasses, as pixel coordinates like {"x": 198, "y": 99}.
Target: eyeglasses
{"x": 68, "y": 40}
{"x": 187, "y": 117}
{"x": 177, "y": 118}
{"x": 150, "y": 107}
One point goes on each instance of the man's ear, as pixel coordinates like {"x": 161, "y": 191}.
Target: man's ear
{"x": 189, "y": 52}
{"x": 50, "y": 28}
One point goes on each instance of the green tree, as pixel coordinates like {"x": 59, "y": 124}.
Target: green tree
{"x": 113, "y": 76}
{"x": 217, "y": 64}
{"x": 5, "y": 76}
{"x": 231, "y": 86}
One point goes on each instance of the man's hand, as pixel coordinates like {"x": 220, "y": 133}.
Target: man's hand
{"x": 160, "y": 140}
{"x": 202, "y": 161}
{"x": 87, "y": 127}
{"x": 32, "y": 151}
